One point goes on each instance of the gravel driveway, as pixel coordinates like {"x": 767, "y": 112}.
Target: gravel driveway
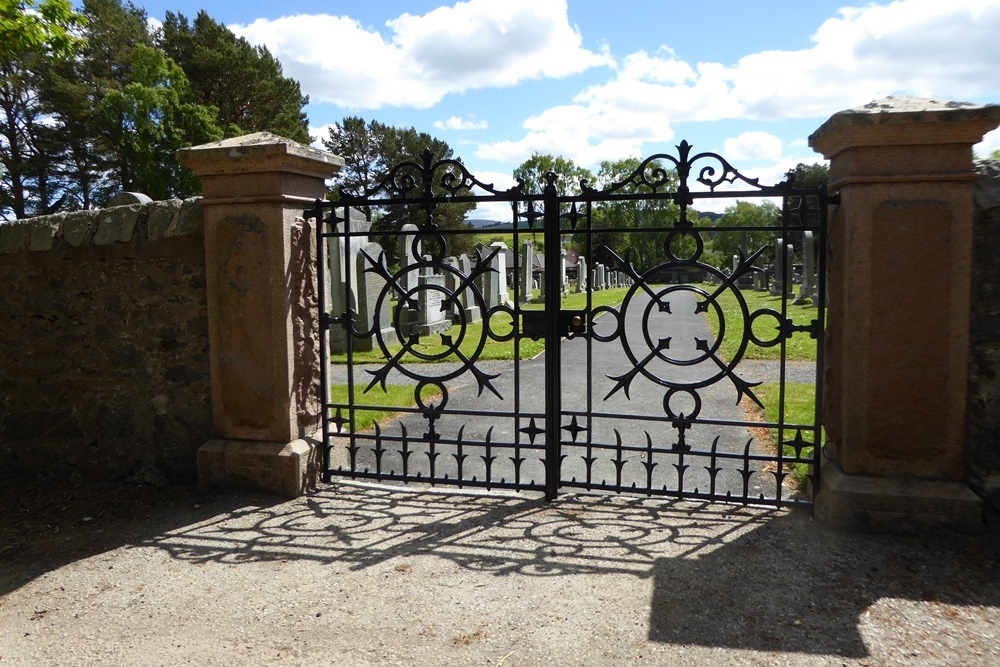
{"x": 356, "y": 575}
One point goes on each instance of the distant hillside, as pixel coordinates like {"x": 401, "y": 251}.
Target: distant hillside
{"x": 479, "y": 223}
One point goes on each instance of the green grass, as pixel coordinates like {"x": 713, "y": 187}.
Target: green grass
{"x": 430, "y": 349}
{"x": 800, "y": 402}
{"x": 380, "y": 406}
{"x": 801, "y": 346}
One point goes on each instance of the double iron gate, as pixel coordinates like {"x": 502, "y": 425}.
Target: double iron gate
{"x": 640, "y": 367}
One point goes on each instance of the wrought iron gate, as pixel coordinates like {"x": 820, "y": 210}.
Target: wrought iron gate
{"x": 647, "y": 383}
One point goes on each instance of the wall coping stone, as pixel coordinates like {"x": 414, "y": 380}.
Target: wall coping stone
{"x": 102, "y": 227}
{"x": 891, "y": 121}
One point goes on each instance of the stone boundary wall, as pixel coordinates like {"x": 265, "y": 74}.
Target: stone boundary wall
{"x": 103, "y": 326}
{"x": 984, "y": 354}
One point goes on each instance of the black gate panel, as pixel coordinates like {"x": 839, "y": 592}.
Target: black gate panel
{"x": 640, "y": 369}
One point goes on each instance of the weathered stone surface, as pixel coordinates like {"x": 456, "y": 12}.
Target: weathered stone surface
{"x": 128, "y": 198}
{"x": 13, "y": 236}
{"x": 42, "y": 233}
{"x": 78, "y": 228}
{"x": 189, "y": 219}
{"x": 104, "y": 373}
{"x": 285, "y": 469}
{"x": 984, "y": 363}
{"x": 116, "y": 225}
{"x": 161, "y": 216}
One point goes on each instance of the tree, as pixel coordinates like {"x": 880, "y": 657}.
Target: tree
{"x": 32, "y": 35}
{"x": 137, "y": 107}
{"x": 995, "y": 155}
{"x": 156, "y": 116}
{"x": 742, "y": 215}
{"x": 370, "y": 151}
{"x": 244, "y": 82}
{"x": 532, "y": 171}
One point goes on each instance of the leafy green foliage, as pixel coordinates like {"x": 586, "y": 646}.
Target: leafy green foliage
{"x": 569, "y": 176}
{"x": 371, "y": 150}
{"x": 244, "y": 82}
{"x": 92, "y": 102}
{"x": 155, "y": 116}
{"x": 33, "y": 35}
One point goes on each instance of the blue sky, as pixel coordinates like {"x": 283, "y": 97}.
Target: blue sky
{"x": 595, "y": 80}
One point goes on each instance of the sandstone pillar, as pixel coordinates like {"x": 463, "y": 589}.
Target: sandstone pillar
{"x": 261, "y": 287}
{"x": 898, "y": 312}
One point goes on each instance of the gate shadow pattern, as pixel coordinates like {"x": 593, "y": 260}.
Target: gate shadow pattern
{"x": 730, "y": 577}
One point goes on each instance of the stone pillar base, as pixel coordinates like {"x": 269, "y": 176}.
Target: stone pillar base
{"x": 860, "y": 502}
{"x": 287, "y": 469}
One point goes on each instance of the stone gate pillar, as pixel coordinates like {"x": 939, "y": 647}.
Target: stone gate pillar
{"x": 261, "y": 288}
{"x": 898, "y": 312}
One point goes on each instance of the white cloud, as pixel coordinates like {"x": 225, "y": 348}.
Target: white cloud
{"x": 153, "y": 24}
{"x": 920, "y": 47}
{"x": 420, "y": 59}
{"x": 459, "y": 123}
{"x": 990, "y": 143}
{"x": 753, "y": 146}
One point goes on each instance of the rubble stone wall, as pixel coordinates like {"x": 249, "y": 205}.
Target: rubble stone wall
{"x": 103, "y": 330}
{"x": 984, "y": 370}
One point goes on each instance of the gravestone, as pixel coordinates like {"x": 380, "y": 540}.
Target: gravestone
{"x": 466, "y": 297}
{"x": 789, "y": 268}
{"x": 601, "y": 277}
{"x": 807, "y": 288}
{"x": 527, "y": 264}
{"x": 581, "y": 274}
{"x": 562, "y": 270}
{"x": 430, "y": 317}
{"x": 593, "y": 280}
{"x": 342, "y": 260}
{"x": 371, "y": 314}
{"x": 408, "y": 255}
{"x": 779, "y": 268}
{"x": 500, "y": 264}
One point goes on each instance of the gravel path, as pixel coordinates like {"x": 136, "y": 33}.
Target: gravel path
{"x": 352, "y": 575}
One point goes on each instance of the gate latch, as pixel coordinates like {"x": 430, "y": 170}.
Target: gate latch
{"x": 571, "y": 323}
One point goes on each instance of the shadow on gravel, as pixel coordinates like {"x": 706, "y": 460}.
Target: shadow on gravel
{"x": 721, "y": 576}
{"x": 45, "y": 526}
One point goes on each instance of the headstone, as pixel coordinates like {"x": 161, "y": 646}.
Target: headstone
{"x": 601, "y": 277}
{"x": 779, "y": 268}
{"x": 541, "y": 287}
{"x": 562, "y": 270}
{"x": 128, "y": 199}
{"x": 466, "y": 297}
{"x": 342, "y": 260}
{"x": 431, "y": 318}
{"x": 371, "y": 314}
{"x": 789, "y": 267}
{"x": 408, "y": 254}
{"x": 594, "y": 285}
{"x": 500, "y": 264}
{"x": 526, "y": 265}
{"x": 581, "y": 274}
{"x": 807, "y": 289}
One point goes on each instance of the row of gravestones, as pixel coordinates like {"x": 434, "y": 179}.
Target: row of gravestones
{"x": 429, "y": 306}
{"x": 782, "y": 272}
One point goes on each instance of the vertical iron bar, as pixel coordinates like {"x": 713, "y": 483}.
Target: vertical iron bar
{"x": 553, "y": 357}
{"x": 824, "y": 203}
{"x": 324, "y": 387}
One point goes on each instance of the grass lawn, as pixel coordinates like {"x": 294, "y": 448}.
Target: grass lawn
{"x": 800, "y": 401}
{"x": 765, "y": 327}
{"x": 435, "y": 350}
{"x": 375, "y": 406}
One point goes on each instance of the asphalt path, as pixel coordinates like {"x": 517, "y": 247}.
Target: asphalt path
{"x": 622, "y": 402}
